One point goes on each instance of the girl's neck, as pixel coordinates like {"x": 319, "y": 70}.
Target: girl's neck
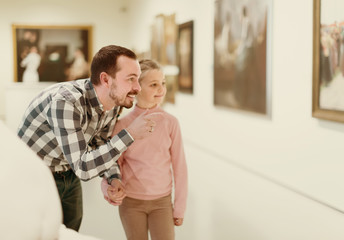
{"x": 146, "y": 106}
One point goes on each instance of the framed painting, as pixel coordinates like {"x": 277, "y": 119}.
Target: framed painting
{"x": 242, "y": 55}
{"x": 185, "y": 57}
{"x": 164, "y": 39}
{"x": 164, "y": 31}
{"x": 171, "y": 87}
{"x": 157, "y": 38}
{"x": 51, "y": 53}
{"x": 328, "y": 60}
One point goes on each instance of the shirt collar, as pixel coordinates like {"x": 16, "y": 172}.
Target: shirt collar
{"x": 94, "y": 100}
{"x": 93, "y": 97}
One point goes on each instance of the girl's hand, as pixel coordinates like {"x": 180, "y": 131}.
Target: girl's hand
{"x": 113, "y": 194}
{"x": 116, "y": 192}
{"x": 178, "y": 221}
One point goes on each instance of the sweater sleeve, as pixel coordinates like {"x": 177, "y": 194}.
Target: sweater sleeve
{"x": 179, "y": 171}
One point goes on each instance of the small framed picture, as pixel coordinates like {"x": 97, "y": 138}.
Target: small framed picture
{"x": 185, "y": 57}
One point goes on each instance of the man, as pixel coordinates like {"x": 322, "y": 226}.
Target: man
{"x": 69, "y": 125}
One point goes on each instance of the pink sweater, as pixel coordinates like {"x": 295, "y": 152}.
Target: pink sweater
{"x": 146, "y": 164}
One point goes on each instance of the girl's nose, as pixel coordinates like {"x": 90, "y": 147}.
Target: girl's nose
{"x": 161, "y": 88}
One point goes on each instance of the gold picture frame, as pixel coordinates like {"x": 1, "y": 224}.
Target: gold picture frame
{"x": 328, "y": 64}
{"x": 52, "y": 53}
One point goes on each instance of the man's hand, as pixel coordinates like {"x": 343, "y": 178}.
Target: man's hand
{"x": 116, "y": 192}
{"x": 143, "y": 125}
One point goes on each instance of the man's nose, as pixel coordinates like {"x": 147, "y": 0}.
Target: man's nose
{"x": 137, "y": 86}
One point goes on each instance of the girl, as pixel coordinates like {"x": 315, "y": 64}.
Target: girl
{"x": 150, "y": 166}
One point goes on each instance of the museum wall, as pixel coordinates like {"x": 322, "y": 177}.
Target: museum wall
{"x": 289, "y": 146}
{"x": 251, "y": 176}
{"x": 108, "y": 19}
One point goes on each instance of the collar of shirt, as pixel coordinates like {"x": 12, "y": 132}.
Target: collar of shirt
{"x": 93, "y": 97}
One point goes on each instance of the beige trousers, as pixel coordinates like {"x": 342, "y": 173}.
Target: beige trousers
{"x": 140, "y": 216}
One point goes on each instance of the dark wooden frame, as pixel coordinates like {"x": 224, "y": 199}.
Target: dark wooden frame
{"x": 185, "y": 68}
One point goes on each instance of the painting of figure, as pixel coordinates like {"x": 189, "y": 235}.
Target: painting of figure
{"x": 241, "y": 59}
{"x": 51, "y": 53}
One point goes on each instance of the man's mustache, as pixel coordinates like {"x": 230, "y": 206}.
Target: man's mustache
{"x": 133, "y": 92}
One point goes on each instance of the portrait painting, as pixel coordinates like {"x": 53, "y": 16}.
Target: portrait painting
{"x": 328, "y": 60}
{"x": 185, "y": 57}
{"x": 242, "y": 55}
{"x": 164, "y": 39}
{"x": 157, "y": 38}
{"x": 51, "y": 53}
{"x": 163, "y": 48}
{"x": 171, "y": 89}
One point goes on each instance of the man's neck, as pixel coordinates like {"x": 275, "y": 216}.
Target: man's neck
{"x": 102, "y": 97}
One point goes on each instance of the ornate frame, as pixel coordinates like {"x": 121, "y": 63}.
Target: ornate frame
{"x": 317, "y": 110}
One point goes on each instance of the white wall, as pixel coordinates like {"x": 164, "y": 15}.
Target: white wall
{"x": 291, "y": 148}
{"x": 228, "y": 202}
{"x": 251, "y": 177}
{"x": 107, "y": 17}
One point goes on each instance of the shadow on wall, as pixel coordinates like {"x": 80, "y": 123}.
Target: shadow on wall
{"x": 190, "y": 228}
{"x": 219, "y": 205}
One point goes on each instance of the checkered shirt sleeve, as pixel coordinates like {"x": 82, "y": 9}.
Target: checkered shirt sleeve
{"x": 65, "y": 120}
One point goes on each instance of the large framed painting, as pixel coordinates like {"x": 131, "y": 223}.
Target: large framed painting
{"x": 51, "y": 53}
{"x": 242, "y": 55}
{"x": 328, "y": 60}
{"x": 185, "y": 57}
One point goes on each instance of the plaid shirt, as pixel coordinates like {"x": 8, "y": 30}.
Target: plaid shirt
{"x": 67, "y": 127}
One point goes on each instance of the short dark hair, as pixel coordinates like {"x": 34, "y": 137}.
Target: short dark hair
{"x": 105, "y": 60}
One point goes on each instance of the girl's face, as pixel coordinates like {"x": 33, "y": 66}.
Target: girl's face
{"x": 153, "y": 89}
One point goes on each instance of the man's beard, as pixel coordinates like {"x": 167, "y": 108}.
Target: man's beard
{"x": 119, "y": 102}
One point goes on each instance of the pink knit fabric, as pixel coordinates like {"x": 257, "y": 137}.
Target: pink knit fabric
{"x": 151, "y": 167}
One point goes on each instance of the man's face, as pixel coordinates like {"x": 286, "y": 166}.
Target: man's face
{"x": 125, "y": 86}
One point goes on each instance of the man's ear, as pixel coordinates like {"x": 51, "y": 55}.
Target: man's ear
{"x": 105, "y": 79}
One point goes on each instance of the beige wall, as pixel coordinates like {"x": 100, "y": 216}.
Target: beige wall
{"x": 107, "y": 17}
{"x": 291, "y": 146}
{"x": 251, "y": 177}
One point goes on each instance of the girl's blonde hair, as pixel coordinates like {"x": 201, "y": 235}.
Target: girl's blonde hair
{"x": 146, "y": 65}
